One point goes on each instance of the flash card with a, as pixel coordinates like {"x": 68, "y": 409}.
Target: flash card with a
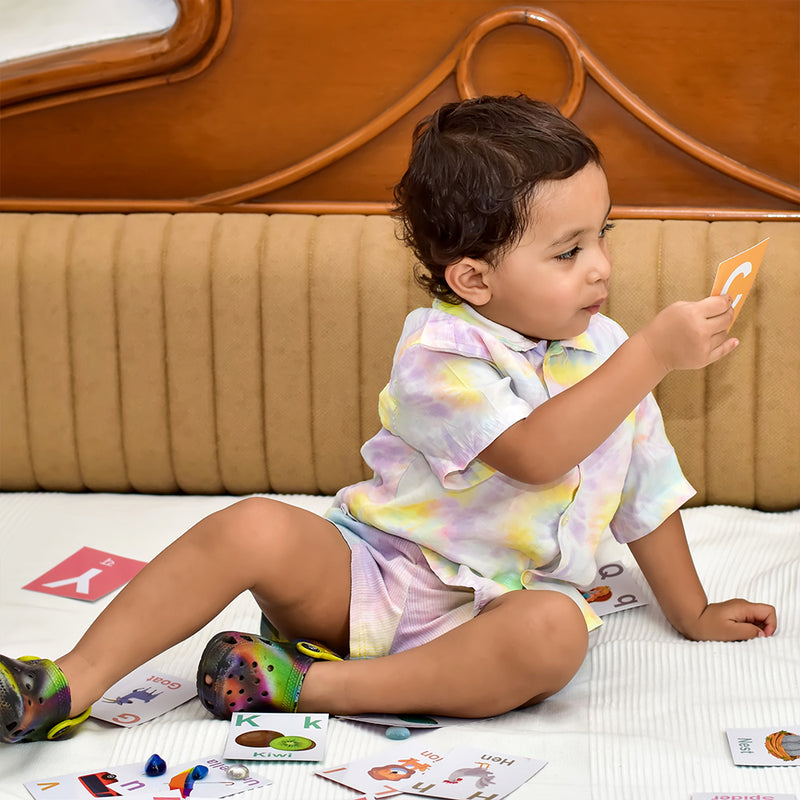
{"x": 613, "y": 589}
{"x": 736, "y": 275}
{"x": 765, "y": 747}
{"x": 277, "y": 737}
{"x": 143, "y": 695}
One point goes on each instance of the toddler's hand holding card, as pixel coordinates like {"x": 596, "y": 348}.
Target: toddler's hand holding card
{"x": 736, "y": 275}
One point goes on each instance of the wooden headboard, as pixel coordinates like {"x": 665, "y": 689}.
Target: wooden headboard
{"x": 308, "y": 105}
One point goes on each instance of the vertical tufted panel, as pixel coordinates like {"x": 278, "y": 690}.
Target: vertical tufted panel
{"x": 95, "y": 351}
{"x": 244, "y": 353}
{"x": 776, "y": 374}
{"x": 146, "y": 434}
{"x": 16, "y": 469}
{"x": 237, "y": 358}
{"x": 45, "y": 252}
{"x": 285, "y": 319}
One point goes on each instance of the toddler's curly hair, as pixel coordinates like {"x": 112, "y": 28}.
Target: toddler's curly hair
{"x": 472, "y": 175}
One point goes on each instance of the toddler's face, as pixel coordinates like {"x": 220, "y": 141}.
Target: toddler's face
{"x": 556, "y": 278}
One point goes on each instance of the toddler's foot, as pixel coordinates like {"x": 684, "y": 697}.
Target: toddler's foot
{"x": 34, "y": 701}
{"x": 246, "y": 672}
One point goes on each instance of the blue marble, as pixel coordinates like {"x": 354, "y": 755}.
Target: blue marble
{"x": 155, "y": 766}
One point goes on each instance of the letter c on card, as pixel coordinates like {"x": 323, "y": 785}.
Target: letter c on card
{"x": 743, "y": 270}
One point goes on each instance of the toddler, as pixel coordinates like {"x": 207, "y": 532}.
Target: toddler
{"x": 517, "y": 426}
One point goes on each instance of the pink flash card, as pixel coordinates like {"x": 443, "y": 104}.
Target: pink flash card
{"x": 87, "y": 575}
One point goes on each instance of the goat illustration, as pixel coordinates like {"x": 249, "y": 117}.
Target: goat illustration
{"x": 145, "y": 695}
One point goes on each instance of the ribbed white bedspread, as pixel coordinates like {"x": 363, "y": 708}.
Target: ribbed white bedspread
{"x": 644, "y": 718}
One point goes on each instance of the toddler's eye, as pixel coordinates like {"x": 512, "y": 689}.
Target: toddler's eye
{"x": 570, "y": 254}
{"x": 609, "y": 226}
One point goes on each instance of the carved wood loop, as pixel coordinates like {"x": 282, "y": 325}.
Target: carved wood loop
{"x": 538, "y": 19}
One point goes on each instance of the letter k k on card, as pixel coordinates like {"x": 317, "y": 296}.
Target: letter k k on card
{"x": 87, "y": 575}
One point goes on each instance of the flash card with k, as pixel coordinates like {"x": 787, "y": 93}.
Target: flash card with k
{"x": 277, "y": 737}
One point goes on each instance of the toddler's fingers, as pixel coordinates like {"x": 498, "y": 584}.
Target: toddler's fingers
{"x": 717, "y": 305}
{"x": 765, "y": 617}
{"x": 721, "y": 350}
{"x": 760, "y": 616}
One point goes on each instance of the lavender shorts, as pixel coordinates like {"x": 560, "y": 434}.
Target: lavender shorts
{"x": 396, "y": 600}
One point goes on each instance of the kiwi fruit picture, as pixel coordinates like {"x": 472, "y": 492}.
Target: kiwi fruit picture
{"x": 293, "y": 743}
{"x": 258, "y": 738}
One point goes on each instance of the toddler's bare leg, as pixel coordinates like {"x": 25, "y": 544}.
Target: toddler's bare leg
{"x": 523, "y": 647}
{"x": 296, "y": 564}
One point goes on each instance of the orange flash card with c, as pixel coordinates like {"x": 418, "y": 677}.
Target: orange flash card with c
{"x": 736, "y": 275}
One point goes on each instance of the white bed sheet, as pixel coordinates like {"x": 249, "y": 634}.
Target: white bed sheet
{"x": 644, "y": 717}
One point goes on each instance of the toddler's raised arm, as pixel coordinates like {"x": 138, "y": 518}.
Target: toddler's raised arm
{"x": 560, "y": 433}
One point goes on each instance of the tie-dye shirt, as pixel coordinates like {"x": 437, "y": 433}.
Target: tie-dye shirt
{"x": 458, "y": 381}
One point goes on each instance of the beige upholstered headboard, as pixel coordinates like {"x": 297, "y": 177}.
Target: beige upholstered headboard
{"x": 241, "y": 353}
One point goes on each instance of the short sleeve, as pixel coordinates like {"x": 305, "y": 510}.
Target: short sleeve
{"x": 654, "y": 486}
{"x": 449, "y": 407}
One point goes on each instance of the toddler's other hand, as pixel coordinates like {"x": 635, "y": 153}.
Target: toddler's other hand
{"x": 691, "y": 335}
{"x": 733, "y": 621}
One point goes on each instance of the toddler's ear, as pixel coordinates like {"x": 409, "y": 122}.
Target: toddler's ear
{"x": 467, "y": 278}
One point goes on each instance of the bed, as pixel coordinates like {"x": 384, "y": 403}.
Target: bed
{"x": 148, "y": 282}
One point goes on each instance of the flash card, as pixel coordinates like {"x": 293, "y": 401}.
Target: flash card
{"x": 613, "y": 589}
{"x": 277, "y": 737}
{"x": 468, "y": 772}
{"x": 765, "y": 747}
{"x": 736, "y": 275}
{"x": 750, "y": 795}
{"x": 87, "y": 575}
{"x": 141, "y": 696}
{"x": 460, "y": 773}
{"x": 130, "y": 780}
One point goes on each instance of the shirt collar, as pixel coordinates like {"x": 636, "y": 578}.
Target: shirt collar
{"x": 509, "y": 337}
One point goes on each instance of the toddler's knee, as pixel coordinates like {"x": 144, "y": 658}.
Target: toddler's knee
{"x": 245, "y": 520}
{"x": 555, "y": 627}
